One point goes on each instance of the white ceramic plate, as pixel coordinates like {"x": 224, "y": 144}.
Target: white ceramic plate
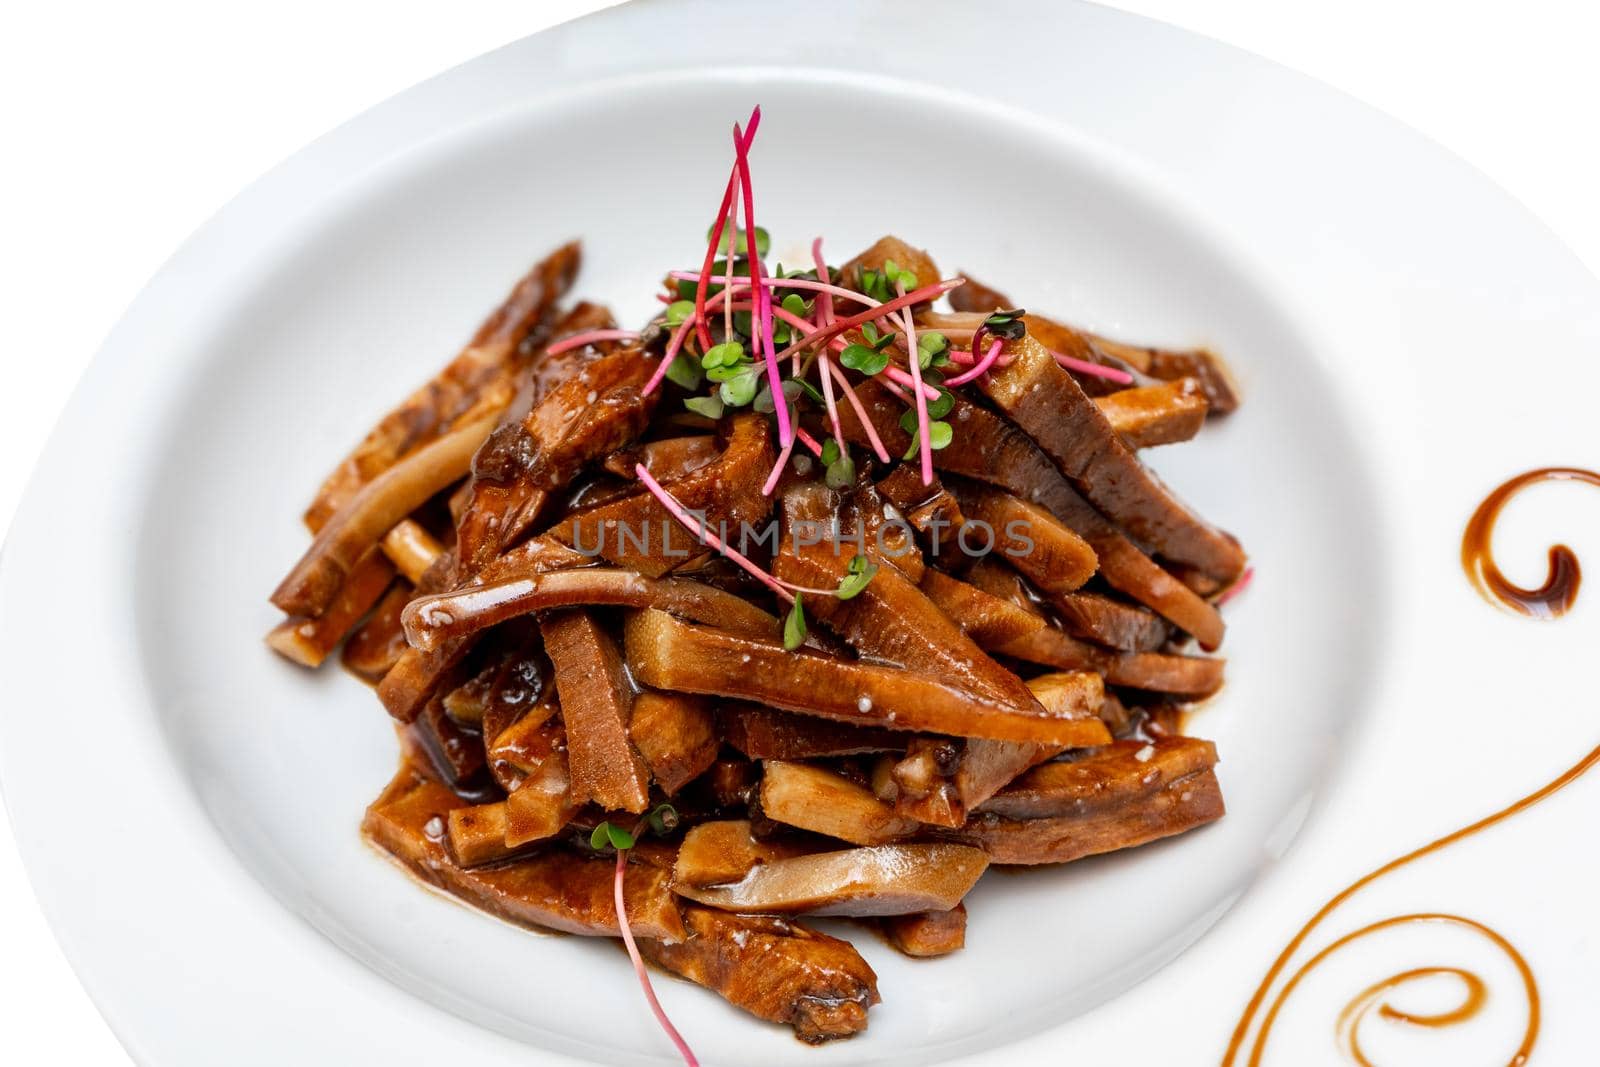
{"x": 1406, "y": 334}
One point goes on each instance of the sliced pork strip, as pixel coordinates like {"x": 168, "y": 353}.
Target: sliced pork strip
{"x": 597, "y": 705}
{"x": 668, "y": 654}
{"x": 775, "y": 969}
{"x": 555, "y": 890}
{"x": 1048, "y": 405}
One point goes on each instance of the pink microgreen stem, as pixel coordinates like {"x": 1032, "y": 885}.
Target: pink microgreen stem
{"x": 777, "y": 470}
{"x": 589, "y": 337}
{"x": 924, "y": 434}
{"x": 1093, "y": 370}
{"x": 704, "y": 281}
{"x": 827, "y": 333}
{"x": 761, "y": 322}
{"x": 703, "y": 532}
{"x": 639, "y": 969}
{"x": 927, "y": 392}
{"x": 1237, "y": 587}
{"x": 978, "y": 368}
{"x": 828, "y": 401}
{"x": 825, "y": 295}
{"x": 824, "y": 290}
{"x": 861, "y": 412}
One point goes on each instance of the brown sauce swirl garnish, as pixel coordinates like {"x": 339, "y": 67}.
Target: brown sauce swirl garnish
{"x": 1363, "y": 1003}
{"x": 1560, "y": 589}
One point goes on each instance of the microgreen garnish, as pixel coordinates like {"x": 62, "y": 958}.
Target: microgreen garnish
{"x": 933, "y": 349}
{"x": 857, "y": 576}
{"x": 709, "y": 406}
{"x": 795, "y": 304}
{"x": 841, "y": 473}
{"x": 736, "y": 240}
{"x": 663, "y": 820}
{"x": 794, "y": 626}
{"x": 678, "y": 311}
{"x": 939, "y": 436}
{"x": 683, "y": 372}
{"x": 793, "y": 388}
{"x": 739, "y": 389}
{"x": 938, "y": 409}
{"x": 868, "y": 361}
{"x": 879, "y": 284}
{"x": 1006, "y": 325}
{"x": 607, "y": 834}
{"x": 727, "y": 354}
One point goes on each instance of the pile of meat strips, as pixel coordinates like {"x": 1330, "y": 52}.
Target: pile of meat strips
{"x": 897, "y": 681}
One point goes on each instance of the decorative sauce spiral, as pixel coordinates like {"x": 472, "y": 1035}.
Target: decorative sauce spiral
{"x": 1560, "y": 588}
{"x": 1550, "y": 600}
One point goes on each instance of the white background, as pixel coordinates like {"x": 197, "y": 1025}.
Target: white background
{"x": 127, "y": 125}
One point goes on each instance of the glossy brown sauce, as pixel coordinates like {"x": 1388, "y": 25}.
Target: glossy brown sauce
{"x": 1560, "y": 589}
{"x": 1363, "y": 1002}
{"x": 1550, "y": 600}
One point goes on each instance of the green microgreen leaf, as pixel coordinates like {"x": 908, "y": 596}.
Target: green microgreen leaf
{"x": 939, "y": 436}
{"x": 740, "y": 389}
{"x": 737, "y": 239}
{"x": 678, "y": 311}
{"x": 727, "y": 354}
{"x": 894, "y": 274}
{"x": 938, "y": 409}
{"x": 830, "y": 452}
{"x": 868, "y": 361}
{"x": 841, "y": 473}
{"x": 663, "y": 820}
{"x": 683, "y": 372}
{"x": 709, "y": 406}
{"x": 607, "y": 834}
{"x": 794, "y": 388}
{"x": 857, "y": 576}
{"x": 794, "y": 626}
{"x": 1006, "y": 325}
{"x": 930, "y": 346}
{"x": 795, "y": 304}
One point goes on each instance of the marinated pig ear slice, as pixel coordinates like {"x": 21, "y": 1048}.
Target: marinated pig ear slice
{"x": 478, "y": 834}
{"x": 940, "y": 783}
{"x": 881, "y": 880}
{"x": 430, "y": 620}
{"x": 766, "y": 733}
{"x": 595, "y": 411}
{"x": 715, "y": 853}
{"x": 677, "y": 736}
{"x": 639, "y": 532}
{"x": 890, "y": 620}
{"x": 553, "y": 890}
{"x": 1171, "y": 808}
{"x": 667, "y": 654}
{"x": 989, "y": 620}
{"x": 815, "y": 799}
{"x": 1103, "y": 777}
{"x": 1152, "y": 415}
{"x": 775, "y": 969}
{"x": 1112, "y": 623}
{"x": 541, "y": 805}
{"x": 357, "y": 526}
{"x": 668, "y": 459}
{"x": 1157, "y": 672}
{"x": 452, "y": 395}
{"x": 930, "y": 509}
{"x": 1000, "y": 454}
{"x": 928, "y": 933}
{"x": 1050, "y": 407}
{"x": 1028, "y": 537}
{"x": 308, "y": 640}
{"x": 374, "y": 647}
{"x": 596, "y": 704}
{"x": 1198, "y": 364}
